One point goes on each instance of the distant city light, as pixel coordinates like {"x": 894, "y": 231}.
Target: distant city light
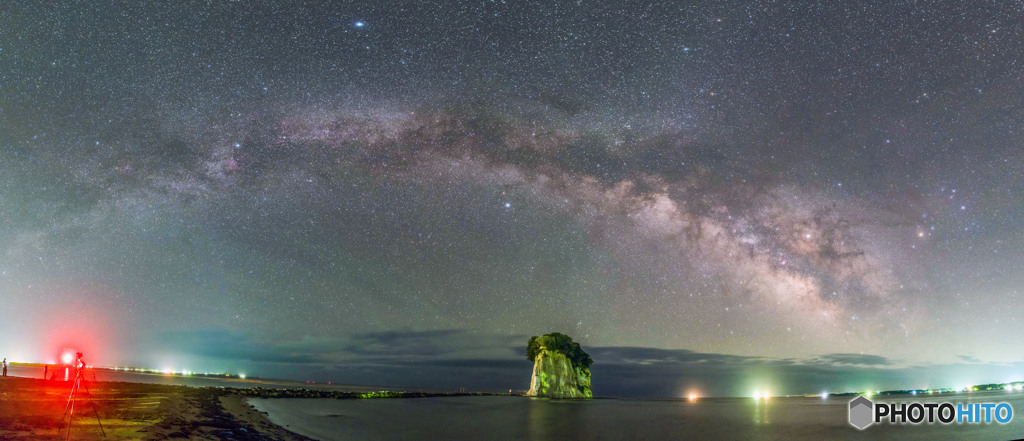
{"x": 242, "y": 376}
{"x": 693, "y": 397}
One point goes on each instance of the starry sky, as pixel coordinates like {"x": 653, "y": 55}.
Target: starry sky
{"x": 710, "y": 195}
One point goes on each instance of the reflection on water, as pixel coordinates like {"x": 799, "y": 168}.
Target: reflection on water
{"x": 761, "y": 412}
{"x": 517, "y": 418}
{"x": 547, "y": 420}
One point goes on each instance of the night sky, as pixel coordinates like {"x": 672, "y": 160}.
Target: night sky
{"x": 712, "y": 196}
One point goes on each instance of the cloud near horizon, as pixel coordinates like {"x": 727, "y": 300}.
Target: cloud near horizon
{"x": 453, "y": 359}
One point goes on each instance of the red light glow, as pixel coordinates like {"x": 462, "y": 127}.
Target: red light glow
{"x": 80, "y": 322}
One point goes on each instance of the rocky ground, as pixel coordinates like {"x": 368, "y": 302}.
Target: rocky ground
{"x": 34, "y": 408}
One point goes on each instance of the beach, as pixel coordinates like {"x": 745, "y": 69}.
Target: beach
{"x": 132, "y": 405}
{"x": 32, "y": 408}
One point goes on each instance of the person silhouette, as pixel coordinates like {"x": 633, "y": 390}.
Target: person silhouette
{"x": 46, "y": 369}
{"x": 5, "y": 366}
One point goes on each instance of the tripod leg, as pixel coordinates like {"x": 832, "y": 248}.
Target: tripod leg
{"x": 71, "y": 416}
{"x": 97, "y": 413}
{"x": 71, "y": 398}
{"x": 94, "y": 411}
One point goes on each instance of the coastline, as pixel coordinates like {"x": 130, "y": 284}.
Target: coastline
{"x": 32, "y": 408}
{"x": 247, "y": 416}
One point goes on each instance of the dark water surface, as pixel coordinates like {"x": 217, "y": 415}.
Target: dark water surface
{"x": 518, "y": 418}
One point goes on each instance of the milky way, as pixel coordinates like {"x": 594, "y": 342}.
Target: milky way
{"x": 797, "y": 184}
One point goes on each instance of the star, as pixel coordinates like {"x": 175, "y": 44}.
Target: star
{"x": 329, "y": 183}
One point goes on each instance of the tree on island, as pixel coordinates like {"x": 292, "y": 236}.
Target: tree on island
{"x": 562, "y": 343}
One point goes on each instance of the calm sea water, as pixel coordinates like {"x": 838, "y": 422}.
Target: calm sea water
{"x": 518, "y": 418}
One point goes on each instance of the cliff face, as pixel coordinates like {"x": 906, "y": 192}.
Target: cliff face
{"x": 554, "y": 376}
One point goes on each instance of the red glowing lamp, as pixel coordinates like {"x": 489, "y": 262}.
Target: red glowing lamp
{"x": 83, "y": 320}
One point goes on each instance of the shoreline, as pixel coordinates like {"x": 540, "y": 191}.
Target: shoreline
{"x": 32, "y": 408}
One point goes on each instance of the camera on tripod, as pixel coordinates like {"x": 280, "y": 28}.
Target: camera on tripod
{"x": 69, "y": 409}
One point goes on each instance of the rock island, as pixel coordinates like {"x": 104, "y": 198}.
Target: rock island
{"x": 561, "y": 369}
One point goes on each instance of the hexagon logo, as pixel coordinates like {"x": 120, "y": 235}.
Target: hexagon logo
{"x": 861, "y": 412}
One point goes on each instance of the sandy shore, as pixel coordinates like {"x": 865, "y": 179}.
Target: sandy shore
{"x": 33, "y": 409}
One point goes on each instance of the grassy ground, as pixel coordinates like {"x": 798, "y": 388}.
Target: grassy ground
{"x": 33, "y": 409}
